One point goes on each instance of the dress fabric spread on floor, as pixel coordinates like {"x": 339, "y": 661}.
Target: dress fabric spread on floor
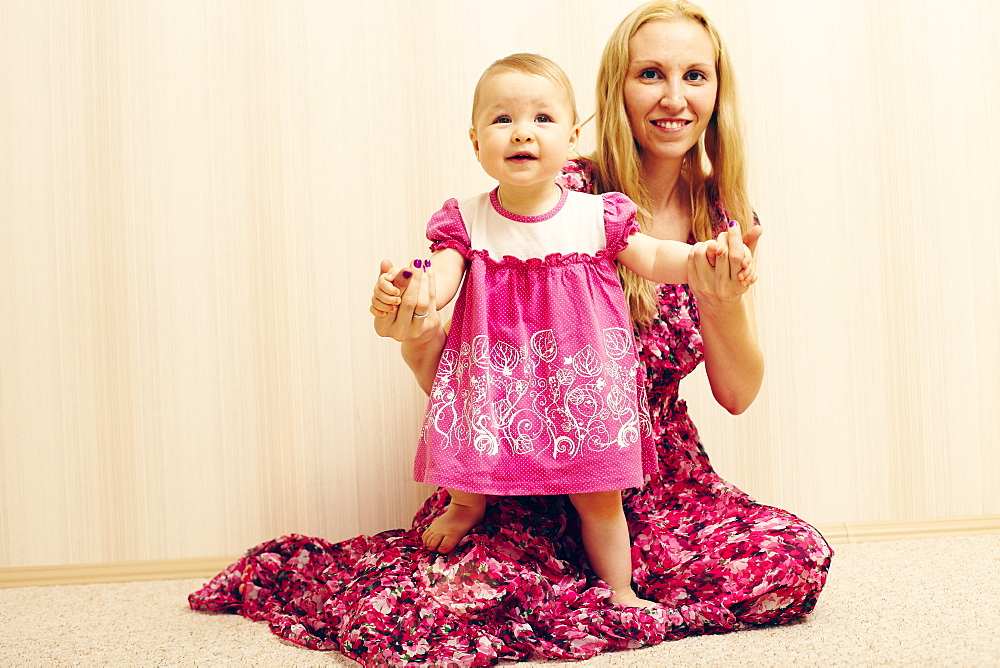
{"x": 519, "y": 586}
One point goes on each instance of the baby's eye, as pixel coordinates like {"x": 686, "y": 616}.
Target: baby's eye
{"x": 543, "y": 118}
{"x": 502, "y": 119}
{"x": 649, "y": 74}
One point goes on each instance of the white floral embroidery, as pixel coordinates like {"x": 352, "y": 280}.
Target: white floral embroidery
{"x": 543, "y": 344}
{"x": 495, "y": 395}
{"x": 618, "y": 342}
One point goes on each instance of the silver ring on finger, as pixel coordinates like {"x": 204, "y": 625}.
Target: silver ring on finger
{"x": 417, "y": 315}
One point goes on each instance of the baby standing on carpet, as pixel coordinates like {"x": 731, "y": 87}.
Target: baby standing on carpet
{"x": 539, "y": 389}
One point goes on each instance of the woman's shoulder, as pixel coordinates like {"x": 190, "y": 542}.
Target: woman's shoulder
{"x": 577, "y": 174}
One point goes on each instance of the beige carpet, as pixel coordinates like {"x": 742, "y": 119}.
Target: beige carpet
{"x": 928, "y": 602}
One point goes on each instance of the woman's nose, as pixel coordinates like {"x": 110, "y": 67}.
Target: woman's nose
{"x": 673, "y": 96}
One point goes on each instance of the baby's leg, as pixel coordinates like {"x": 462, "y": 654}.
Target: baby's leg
{"x": 464, "y": 512}
{"x": 606, "y": 540}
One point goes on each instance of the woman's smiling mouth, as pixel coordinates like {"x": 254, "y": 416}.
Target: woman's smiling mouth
{"x": 671, "y": 124}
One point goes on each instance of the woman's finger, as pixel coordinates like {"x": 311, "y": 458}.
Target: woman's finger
{"x": 752, "y": 237}
{"x": 422, "y": 307}
{"x": 401, "y": 277}
{"x": 734, "y": 238}
{"x": 721, "y": 274}
{"x": 411, "y": 294}
{"x": 431, "y": 286}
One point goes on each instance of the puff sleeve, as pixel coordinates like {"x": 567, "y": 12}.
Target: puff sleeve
{"x": 619, "y": 220}
{"x": 446, "y": 229}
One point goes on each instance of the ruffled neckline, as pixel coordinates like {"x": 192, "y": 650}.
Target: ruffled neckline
{"x": 495, "y": 201}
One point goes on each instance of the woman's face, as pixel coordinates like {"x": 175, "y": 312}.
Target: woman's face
{"x": 670, "y": 87}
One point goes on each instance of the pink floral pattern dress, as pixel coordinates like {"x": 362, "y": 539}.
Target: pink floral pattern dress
{"x": 519, "y": 586}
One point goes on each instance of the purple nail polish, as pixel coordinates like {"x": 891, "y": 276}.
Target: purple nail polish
{"x": 427, "y": 263}
{"x": 416, "y": 263}
{"x": 732, "y": 223}
{"x": 407, "y": 273}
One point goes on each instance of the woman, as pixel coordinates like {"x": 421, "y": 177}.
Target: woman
{"x": 517, "y": 585}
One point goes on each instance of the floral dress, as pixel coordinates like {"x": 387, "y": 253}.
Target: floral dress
{"x": 519, "y": 586}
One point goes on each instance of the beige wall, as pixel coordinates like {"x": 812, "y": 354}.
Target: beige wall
{"x": 194, "y": 197}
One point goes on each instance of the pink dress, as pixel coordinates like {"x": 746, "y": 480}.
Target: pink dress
{"x": 539, "y": 389}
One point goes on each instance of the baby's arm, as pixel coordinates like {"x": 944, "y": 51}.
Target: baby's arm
{"x": 666, "y": 261}
{"x": 449, "y": 268}
{"x": 658, "y": 260}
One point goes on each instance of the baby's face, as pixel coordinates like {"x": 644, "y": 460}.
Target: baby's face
{"x": 524, "y": 128}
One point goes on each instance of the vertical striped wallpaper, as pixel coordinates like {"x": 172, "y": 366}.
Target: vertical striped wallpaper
{"x": 195, "y": 195}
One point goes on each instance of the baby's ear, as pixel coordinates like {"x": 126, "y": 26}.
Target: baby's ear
{"x": 475, "y": 141}
{"x": 574, "y": 138}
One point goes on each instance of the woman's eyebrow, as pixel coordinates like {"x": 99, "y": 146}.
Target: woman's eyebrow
{"x": 656, "y": 63}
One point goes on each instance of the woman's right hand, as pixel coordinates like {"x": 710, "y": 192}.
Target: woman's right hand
{"x": 402, "y": 295}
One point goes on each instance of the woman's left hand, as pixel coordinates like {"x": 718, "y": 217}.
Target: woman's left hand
{"x": 715, "y": 281}
{"x": 733, "y": 358}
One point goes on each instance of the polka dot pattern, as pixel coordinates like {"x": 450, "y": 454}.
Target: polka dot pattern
{"x": 539, "y": 389}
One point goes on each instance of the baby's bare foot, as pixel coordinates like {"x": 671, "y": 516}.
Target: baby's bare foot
{"x": 450, "y": 527}
{"x": 631, "y": 599}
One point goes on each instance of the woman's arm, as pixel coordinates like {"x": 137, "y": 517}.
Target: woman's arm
{"x": 424, "y": 354}
{"x": 733, "y": 358}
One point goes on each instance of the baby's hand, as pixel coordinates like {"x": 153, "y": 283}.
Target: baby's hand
{"x": 388, "y": 289}
{"x": 712, "y": 251}
{"x": 748, "y": 270}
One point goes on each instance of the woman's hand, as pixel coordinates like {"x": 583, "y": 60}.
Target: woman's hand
{"x": 734, "y": 362}
{"x": 402, "y": 298}
{"x": 721, "y": 271}
{"x": 404, "y": 302}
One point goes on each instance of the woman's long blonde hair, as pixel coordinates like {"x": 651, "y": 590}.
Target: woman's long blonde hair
{"x": 715, "y": 167}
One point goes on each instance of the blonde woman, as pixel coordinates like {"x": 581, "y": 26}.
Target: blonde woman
{"x": 517, "y": 585}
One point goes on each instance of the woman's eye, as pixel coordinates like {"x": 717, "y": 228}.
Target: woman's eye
{"x": 649, "y": 74}
{"x": 502, "y": 119}
{"x": 543, "y": 118}
{"x": 695, "y": 76}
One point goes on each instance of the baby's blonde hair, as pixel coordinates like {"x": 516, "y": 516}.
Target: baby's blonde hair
{"x": 528, "y": 63}
{"x": 617, "y": 161}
